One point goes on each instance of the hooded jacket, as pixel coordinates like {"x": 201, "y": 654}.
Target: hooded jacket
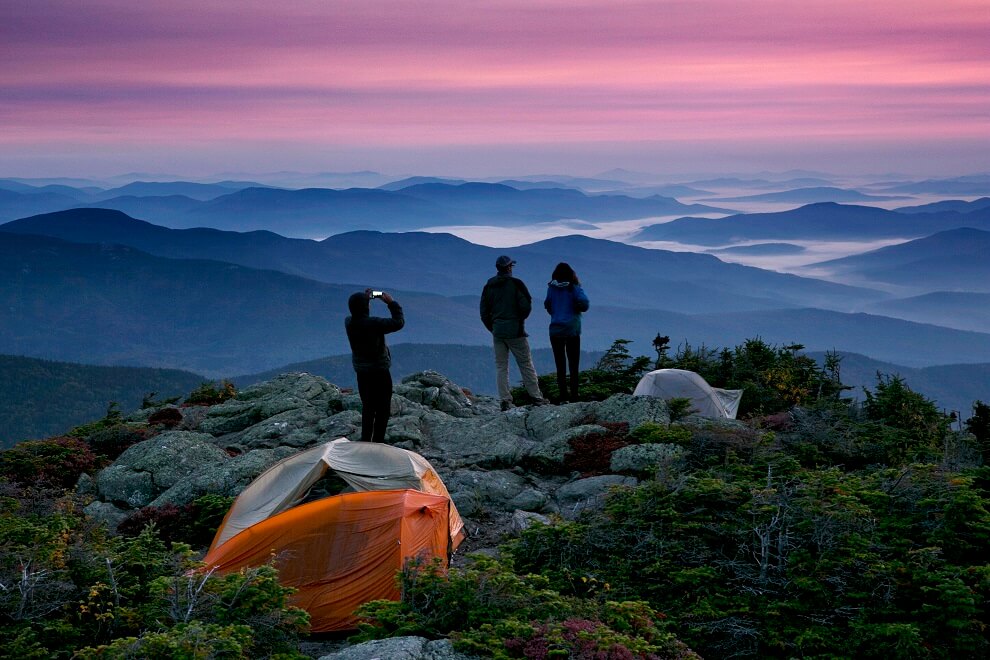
{"x": 366, "y": 333}
{"x": 505, "y": 305}
{"x": 565, "y": 302}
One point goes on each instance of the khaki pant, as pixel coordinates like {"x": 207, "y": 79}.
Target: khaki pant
{"x": 524, "y": 359}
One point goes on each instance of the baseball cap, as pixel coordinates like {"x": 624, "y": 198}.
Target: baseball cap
{"x": 504, "y": 262}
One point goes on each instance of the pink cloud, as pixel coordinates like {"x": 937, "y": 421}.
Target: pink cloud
{"x": 395, "y": 73}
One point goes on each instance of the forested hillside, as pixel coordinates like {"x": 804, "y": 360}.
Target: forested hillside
{"x": 41, "y": 398}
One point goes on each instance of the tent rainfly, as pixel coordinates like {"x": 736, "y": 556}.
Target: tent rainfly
{"x": 706, "y": 400}
{"x": 341, "y": 551}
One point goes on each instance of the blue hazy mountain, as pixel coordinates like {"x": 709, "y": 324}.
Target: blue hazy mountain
{"x": 197, "y": 191}
{"x": 317, "y": 211}
{"x": 824, "y": 221}
{"x": 952, "y": 309}
{"x": 15, "y": 204}
{"x": 487, "y": 202}
{"x": 953, "y": 260}
{"x": 664, "y": 190}
{"x": 416, "y": 180}
{"x": 14, "y": 185}
{"x": 164, "y": 208}
{"x": 976, "y": 184}
{"x": 320, "y": 212}
{"x": 444, "y": 264}
{"x": 109, "y": 304}
{"x": 957, "y": 205}
{"x": 809, "y": 196}
{"x": 762, "y": 249}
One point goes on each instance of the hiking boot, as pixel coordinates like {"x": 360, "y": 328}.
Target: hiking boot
{"x": 541, "y": 402}
{"x": 507, "y": 405}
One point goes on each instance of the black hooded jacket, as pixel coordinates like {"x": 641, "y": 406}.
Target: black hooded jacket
{"x": 505, "y": 305}
{"x": 366, "y": 334}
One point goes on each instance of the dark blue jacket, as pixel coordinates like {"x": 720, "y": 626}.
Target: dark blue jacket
{"x": 565, "y": 302}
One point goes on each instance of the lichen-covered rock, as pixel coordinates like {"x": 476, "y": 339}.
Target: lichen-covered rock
{"x": 344, "y": 424}
{"x": 523, "y": 520}
{"x": 298, "y": 427}
{"x": 228, "y": 478}
{"x": 436, "y": 391}
{"x": 149, "y": 468}
{"x": 263, "y": 401}
{"x": 106, "y": 513}
{"x": 490, "y": 442}
{"x": 633, "y": 410}
{"x": 545, "y": 422}
{"x": 478, "y": 489}
{"x": 400, "y": 648}
{"x": 645, "y": 459}
{"x": 531, "y": 499}
{"x": 589, "y": 493}
{"x": 299, "y": 385}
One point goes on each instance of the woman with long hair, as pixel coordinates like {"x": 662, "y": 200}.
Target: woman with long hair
{"x": 565, "y": 302}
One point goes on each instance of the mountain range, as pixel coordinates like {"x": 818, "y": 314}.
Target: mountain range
{"x": 952, "y": 260}
{"x": 111, "y": 304}
{"x": 620, "y": 274}
{"x": 808, "y": 196}
{"x": 320, "y": 212}
{"x": 823, "y": 221}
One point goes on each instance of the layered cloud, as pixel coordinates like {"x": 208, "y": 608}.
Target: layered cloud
{"x": 398, "y": 75}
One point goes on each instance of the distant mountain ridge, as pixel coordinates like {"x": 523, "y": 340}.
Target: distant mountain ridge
{"x": 321, "y": 212}
{"x": 624, "y": 275}
{"x": 952, "y": 260}
{"x": 109, "y": 304}
{"x": 823, "y": 221}
{"x": 808, "y": 196}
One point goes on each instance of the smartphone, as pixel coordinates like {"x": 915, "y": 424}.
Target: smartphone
{"x": 377, "y": 294}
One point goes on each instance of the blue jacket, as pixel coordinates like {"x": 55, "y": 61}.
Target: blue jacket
{"x": 565, "y": 302}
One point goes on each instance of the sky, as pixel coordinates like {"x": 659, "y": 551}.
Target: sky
{"x": 478, "y": 88}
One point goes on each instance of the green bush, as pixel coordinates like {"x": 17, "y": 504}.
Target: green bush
{"x": 489, "y": 610}
{"x": 653, "y": 433}
{"x": 210, "y": 393}
{"x": 188, "y": 641}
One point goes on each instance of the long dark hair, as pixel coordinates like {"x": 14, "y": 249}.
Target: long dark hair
{"x": 564, "y": 273}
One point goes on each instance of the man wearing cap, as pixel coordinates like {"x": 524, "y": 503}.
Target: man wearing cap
{"x": 505, "y": 305}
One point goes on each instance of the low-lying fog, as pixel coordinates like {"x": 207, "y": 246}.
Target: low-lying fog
{"x": 807, "y": 252}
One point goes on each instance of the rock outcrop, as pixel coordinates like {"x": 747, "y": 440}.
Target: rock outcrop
{"x": 493, "y": 463}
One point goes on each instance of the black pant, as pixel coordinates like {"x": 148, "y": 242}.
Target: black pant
{"x": 569, "y": 348}
{"x": 375, "y": 388}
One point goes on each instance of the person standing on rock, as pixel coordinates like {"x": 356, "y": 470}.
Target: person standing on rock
{"x": 505, "y": 305}
{"x": 372, "y": 359}
{"x": 565, "y": 302}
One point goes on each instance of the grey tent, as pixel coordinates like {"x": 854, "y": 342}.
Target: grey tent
{"x": 706, "y": 400}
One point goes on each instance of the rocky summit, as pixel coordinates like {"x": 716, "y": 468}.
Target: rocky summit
{"x": 501, "y": 468}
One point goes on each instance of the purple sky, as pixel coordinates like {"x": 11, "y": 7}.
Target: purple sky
{"x": 99, "y": 87}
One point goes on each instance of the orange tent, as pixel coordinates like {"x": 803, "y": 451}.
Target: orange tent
{"x": 341, "y": 551}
